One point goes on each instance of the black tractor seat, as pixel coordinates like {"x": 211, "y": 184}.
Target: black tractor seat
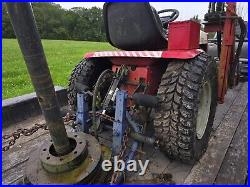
{"x": 134, "y": 26}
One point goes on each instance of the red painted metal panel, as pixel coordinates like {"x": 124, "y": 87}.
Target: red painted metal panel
{"x": 150, "y": 75}
{"x": 175, "y": 54}
{"x": 133, "y": 78}
{"x": 141, "y": 54}
{"x": 181, "y": 54}
{"x": 183, "y": 35}
{"x": 141, "y": 62}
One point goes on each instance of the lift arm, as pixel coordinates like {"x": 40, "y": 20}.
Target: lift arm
{"x": 223, "y": 21}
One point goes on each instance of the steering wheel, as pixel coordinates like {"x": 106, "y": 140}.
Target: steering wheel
{"x": 167, "y": 19}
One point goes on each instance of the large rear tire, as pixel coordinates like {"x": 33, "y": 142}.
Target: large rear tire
{"x": 85, "y": 73}
{"x": 188, "y": 98}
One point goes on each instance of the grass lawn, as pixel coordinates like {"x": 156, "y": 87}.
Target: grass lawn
{"x": 62, "y": 56}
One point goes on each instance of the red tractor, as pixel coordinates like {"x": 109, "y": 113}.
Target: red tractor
{"x": 170, "y": 79}
{"x": 161, "y": 78}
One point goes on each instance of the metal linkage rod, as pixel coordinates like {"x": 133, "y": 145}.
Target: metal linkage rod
{"x": 23, "y": 23}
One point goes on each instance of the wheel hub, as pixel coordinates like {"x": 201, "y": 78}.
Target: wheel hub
{"x": 203, "y": 110}
{"x": 57, "y": 164}
{"x": 81, "y": 165}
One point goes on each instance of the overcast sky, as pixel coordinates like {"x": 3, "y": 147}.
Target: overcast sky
{"x": 187, "y": 9}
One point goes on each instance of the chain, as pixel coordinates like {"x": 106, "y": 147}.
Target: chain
{"x": 17, "y": 134}
{"x": 67, "y": 120}
{"x": 29, "y": 131}
{"x": 124, "y": 145}
{"x": 120, "y": 156}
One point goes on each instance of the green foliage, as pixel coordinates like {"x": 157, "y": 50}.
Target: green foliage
{"x": 62, "y": 56}
{"x": 56, "y": 23}
{"x": 196, "y": 18}
{"x": 7, "y": 31}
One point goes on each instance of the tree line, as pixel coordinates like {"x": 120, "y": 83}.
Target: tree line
{"x": 54, "y": 22}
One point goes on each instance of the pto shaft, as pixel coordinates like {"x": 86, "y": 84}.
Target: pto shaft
{"x": 23, "y": 23}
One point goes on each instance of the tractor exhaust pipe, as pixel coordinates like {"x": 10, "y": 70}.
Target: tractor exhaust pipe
{"x": 23, "y": 23}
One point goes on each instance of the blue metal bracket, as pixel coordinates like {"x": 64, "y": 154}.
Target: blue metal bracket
{"x": 119, "y": 125}
{"x": 82, "y": 115}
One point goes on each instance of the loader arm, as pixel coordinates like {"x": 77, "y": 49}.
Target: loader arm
{"x": 223, "y": 22}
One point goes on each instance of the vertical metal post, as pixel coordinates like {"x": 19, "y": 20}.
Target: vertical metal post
{"x": 119, "y": 125}
{"x": 227, "y": 51}
{"x": 23, "y": 23}
{"x": 82, "y": 116}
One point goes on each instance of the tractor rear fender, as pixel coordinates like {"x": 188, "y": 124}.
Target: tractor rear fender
{"x": 149, "y": 65}
{"x": 169, "y": 54}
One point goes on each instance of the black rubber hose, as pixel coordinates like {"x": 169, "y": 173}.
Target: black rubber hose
{"x": 218, "y": 43}
{"x": 238, "y": 51}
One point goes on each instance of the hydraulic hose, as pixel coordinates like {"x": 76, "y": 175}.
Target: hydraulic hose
{"x": 238, "y": 51}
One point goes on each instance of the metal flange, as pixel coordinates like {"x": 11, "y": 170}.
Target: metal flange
{"x": 54, "y": 163}
{"x": 70, "y": 170}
